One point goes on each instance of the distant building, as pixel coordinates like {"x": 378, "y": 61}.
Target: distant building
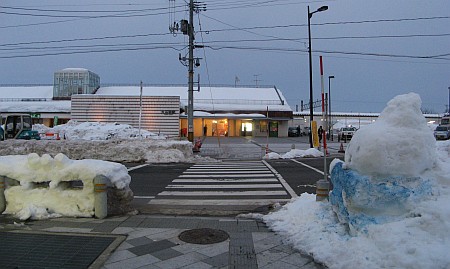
{"x": 70, "y": 81}
{"x": 218, "y": 110}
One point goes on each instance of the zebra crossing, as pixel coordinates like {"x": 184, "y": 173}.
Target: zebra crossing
{"x": 229, "y": 187}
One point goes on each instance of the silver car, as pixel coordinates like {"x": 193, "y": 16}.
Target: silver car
{"x": 442, "y": 133}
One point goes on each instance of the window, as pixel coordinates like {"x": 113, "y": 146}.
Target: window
{"x": 263, "y": 126}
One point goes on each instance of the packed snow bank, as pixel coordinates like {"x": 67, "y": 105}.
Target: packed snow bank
{"x": 295, "y": 153}
{"x": 392, "y": 199}
{"x": 136, "y": 150}
{"x": 40, "y": 187}
{"x": 74, "y": 130}
{"x": 104, "y": 141}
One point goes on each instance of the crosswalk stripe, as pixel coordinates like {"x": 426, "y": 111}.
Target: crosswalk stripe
{"x": 190, "y": 202}
{"x": 217, "y": 180}
{"x": 224, "y": 186}
{"x": 226, "y": 172}
{"x": 228, "y": 169}
{"x": 221, "y": 193}
{"x": 214, "y": 176}
{"x": 229, "y": 165}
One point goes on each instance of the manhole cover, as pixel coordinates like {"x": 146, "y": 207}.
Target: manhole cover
{"x": 203, "y": 236}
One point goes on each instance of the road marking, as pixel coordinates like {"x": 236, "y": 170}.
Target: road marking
{"x": 281, "y": 179}
{"x": 221, "y": 193}
{"x": 144, "y": 197}
{"x": 228, "y": 167}
{"x": 307, "y": 186}
{"x": 137, "y": 167}
{"x": 226, "y": 172}
{"x": 193, "y": 169}
{"x": 310, "y": 167}
{"x": 214, "y": 176}
{"x": 216, "y": 180}
{"x": 224, "y": 186}
{"x": 217, "y": 202}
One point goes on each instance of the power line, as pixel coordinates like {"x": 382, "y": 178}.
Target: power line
{"x": 84, "y": 11}
{"x": 218, "y": 41}
{"x": 91, "y": 51}
{"x": 117, "y": 15}
{"x": 437, "y": 57}
{"x": 85, "y": 39}
{"x": 317, "y": 24}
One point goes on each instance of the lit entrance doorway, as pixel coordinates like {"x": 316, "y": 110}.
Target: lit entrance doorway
{"x": 246, "y": 129}
{"x": 219, "y": 127}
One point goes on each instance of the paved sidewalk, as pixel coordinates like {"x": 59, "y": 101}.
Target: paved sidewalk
{"x": 153, "y": 242}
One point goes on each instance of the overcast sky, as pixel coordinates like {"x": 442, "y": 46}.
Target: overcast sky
{"x": 375, "y": 49}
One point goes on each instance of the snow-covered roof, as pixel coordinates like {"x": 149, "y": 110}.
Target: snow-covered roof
{"x": 205, "y": 93}
{"x": 35, "y": 107}
{"x": 226, "y": 99}
{"x": 212, "y": 98}
{"x": 25, "y": 92}
{"x": 70, "y": 69}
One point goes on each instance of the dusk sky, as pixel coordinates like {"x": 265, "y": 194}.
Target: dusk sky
{"x": 375, "y": 49}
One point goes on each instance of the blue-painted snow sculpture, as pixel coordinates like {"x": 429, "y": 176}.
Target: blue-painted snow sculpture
{"x": 384, "y": 174}
{"x": 360, "y": 200}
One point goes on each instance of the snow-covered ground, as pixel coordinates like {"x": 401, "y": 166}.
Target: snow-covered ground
{"x": 399, "y": 144}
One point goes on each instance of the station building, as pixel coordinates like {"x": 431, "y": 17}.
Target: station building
{"x": 218, "y": 110}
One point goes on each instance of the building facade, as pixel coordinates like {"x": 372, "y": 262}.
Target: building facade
{"x": 157, "y": 114}
{"x": 70, "y": 81}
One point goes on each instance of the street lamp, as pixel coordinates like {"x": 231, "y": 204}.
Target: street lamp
{"x": 330, "y": 125}
{"x": 448, "y": 110}
{"x": 311, "y": 118}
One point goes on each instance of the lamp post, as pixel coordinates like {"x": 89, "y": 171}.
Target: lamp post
{"x": 311, "y": 116}
{"x": 330, "y": 125}
{"x": 448, "y": 110}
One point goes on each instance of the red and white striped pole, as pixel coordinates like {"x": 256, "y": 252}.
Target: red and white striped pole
{"x": 324, "y": 110}
{"x": 322, "y": 185}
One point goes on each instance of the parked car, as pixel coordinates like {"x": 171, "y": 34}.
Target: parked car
{"x": 442, "y": 132}
{"x": 293, "y": 131}
{"x": 346, "y": 133}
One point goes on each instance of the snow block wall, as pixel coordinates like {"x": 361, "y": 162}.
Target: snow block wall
{"x": 360, "y": 200}
{"x": 41, "y": 187}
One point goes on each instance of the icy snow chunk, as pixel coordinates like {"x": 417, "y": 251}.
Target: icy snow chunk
{"x": 46, "y": 190}
{"x": 398, "y": 143}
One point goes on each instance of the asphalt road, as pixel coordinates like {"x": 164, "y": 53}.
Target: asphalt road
{"x": 297, "y": 175}
{"x": 302, "y": 173}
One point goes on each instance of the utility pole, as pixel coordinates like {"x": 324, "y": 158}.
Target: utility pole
{"x": 191, "y": 73}
{"x": 187, "y": 28}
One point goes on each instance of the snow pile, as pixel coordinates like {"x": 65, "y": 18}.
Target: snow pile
{"x": 400, "y": 141}
{"x": 295, "y": 153}
{"x": 103, "y": 141}
{"x": 391, "y": 197}
{"x": 127, "y": 150}
{"x": 40, "y": 187}
{"x": 73, "y": 130}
